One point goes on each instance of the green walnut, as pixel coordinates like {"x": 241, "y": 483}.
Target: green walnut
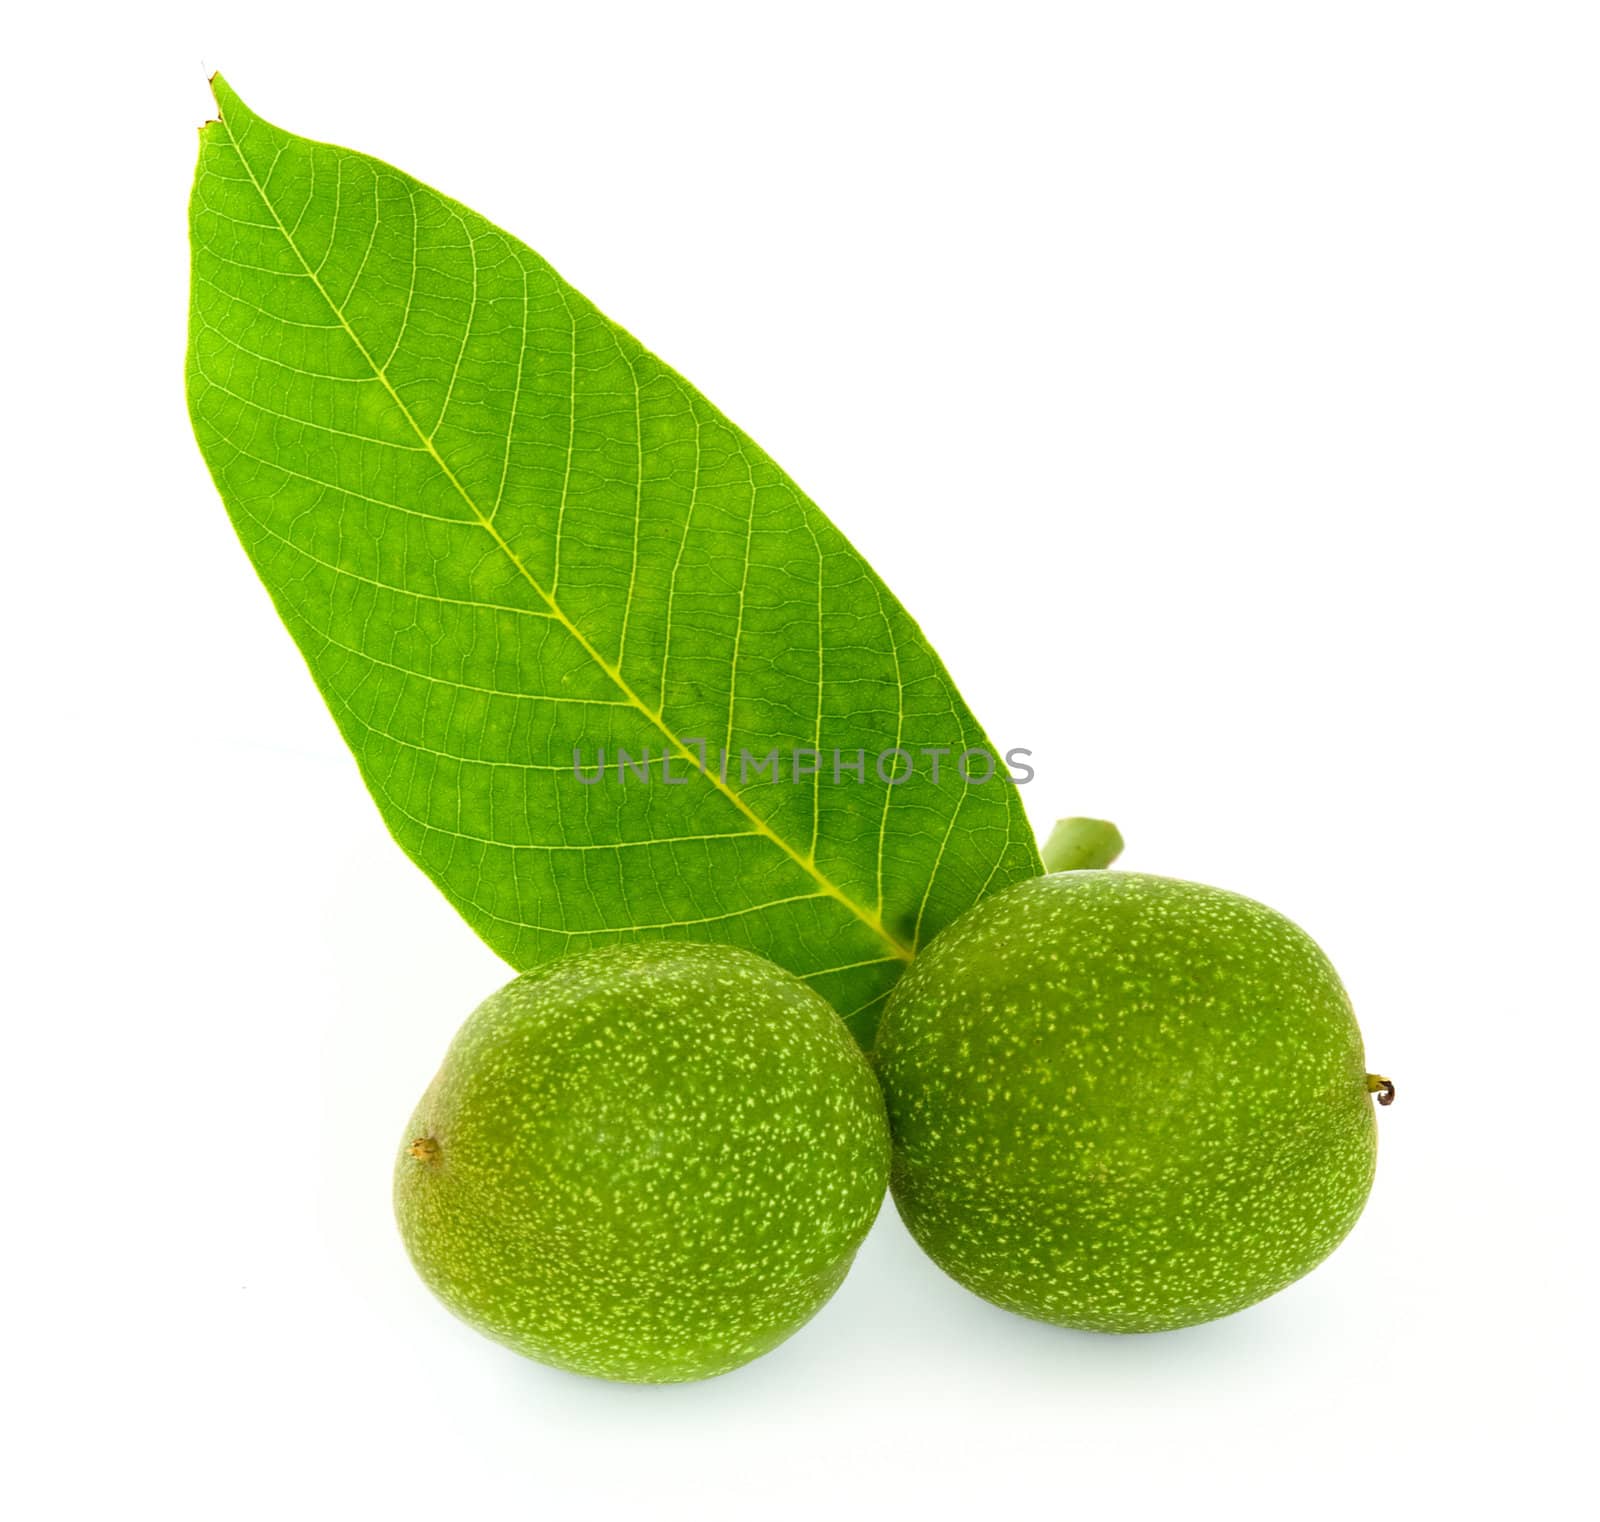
{"x": 1126, "y": 1103}
{"x": 650, "y": 1162}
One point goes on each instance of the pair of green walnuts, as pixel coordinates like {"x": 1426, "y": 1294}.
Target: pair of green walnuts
{"x": 1106, "y": 1100}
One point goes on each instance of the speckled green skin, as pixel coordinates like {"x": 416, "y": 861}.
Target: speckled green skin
{"x": 1125, "y": 1103}
{"x": 653, "y": 1162}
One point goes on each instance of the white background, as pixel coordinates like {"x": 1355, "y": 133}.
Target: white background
{"x": 1216, "y": 383}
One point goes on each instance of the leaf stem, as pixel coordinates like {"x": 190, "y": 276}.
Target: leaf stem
{"x": 1081, "y": 845}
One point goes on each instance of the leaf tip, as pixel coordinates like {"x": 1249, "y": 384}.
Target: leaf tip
{"x": 217, "y": 85}
{"x": 230, "y": 108}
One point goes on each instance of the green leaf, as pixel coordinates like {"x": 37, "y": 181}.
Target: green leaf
{"x": 501, "y": 531}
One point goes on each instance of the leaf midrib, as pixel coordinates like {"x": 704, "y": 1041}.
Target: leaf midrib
{"x": 807, "y": 863}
